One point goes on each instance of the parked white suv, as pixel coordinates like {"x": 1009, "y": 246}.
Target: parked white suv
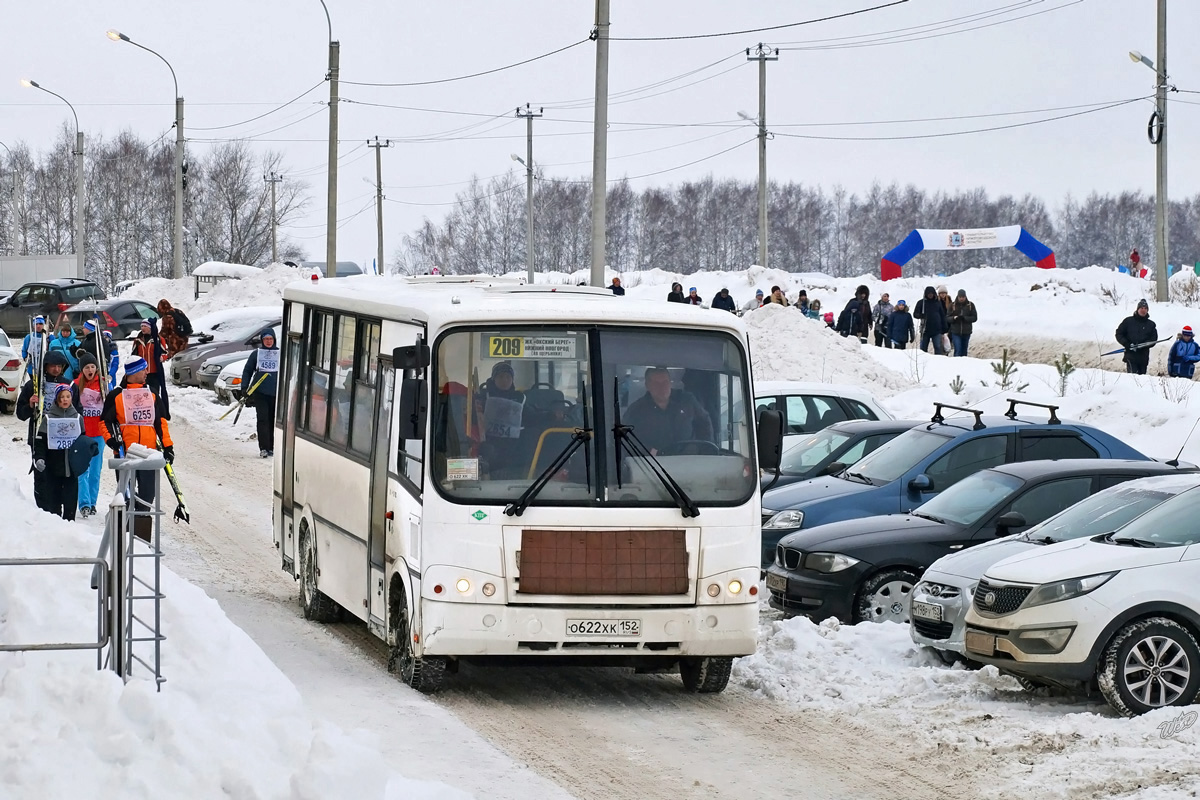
{"x": 1120, "y": 611}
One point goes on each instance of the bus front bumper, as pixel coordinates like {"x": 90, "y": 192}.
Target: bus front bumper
{"x": 473, "y": 629}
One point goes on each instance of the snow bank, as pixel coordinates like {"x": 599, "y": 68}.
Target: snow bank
{"x": 226, "y": 724}
{"x": 259, "y": 287}
{"x": 223, "y": 269}
{"x": 874, "y": 677}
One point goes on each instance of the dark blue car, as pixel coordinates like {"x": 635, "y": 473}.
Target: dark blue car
{"x": 916, "y": 465}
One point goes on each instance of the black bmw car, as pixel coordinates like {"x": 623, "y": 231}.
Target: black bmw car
{"x": 832, "y": 449}
{"x": 865, "y": 569}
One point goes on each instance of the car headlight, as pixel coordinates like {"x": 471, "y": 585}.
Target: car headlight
{"x": 828, "y": 562}
{"x": 211, "y": 369}
{"x": 785, "y": 519}
{"x": 1065, "y": 590}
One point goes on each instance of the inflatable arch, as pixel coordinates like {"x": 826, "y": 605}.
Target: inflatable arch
{"x": 965, "y": 239}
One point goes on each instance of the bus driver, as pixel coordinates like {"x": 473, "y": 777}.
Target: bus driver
{"x": 662, "y": 417}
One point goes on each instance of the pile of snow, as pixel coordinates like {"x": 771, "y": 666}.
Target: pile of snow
{"x": 874, "y": 677}
{"x": 256, "y": 287}
{"x": 223, "y": 269}
{"x": 227, "y": 722}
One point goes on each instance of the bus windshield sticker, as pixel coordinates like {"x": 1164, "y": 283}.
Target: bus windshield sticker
{"x": 502, "y": 418}
{"x": 462, "y": 469}
{"x": 531, "y": 346}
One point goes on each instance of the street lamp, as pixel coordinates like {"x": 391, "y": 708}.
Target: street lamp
{"x": 331, "y": 211}
{"x": 177, "y": 265}
{"x": 80, "y": 243}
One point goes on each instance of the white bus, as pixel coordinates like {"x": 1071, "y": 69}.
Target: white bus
{"x": 486, "y": 470}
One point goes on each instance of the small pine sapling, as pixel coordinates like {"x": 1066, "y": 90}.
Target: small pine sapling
{"x": 1005, "y": 370}
{"x": 957, "y": 385}
{"x": 1064, "y": 368}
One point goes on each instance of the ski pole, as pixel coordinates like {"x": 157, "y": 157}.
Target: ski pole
{"x": 244, "y": 398}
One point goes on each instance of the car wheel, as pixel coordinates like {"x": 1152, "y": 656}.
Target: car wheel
{"x": 706, "y": 675}
{"x": 884, "y": 597}
{"x": 1149, "y": 664}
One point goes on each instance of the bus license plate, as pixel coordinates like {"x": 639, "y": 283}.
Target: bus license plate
{"x": 984, "y": 643}
{"x": 926, "y": 610}
{"x": 604, "y": 627}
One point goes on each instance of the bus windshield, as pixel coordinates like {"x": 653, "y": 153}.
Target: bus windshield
{"x": 508, "y": 403}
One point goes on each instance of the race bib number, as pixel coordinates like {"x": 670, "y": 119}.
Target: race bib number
{"x": 61, "y": 432}
{"x": 502, "y": 418}
{"x": 51, "y": 393}
{"x": 139, "y": 406}
{"x": 268, "y": 360}
{"x": 92, "y": 402}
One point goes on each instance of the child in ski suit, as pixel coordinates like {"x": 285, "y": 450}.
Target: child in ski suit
{"x": 1181, "y": 361}
{"x": 51, "y": 445}
{"x": 89, "y": 391}
{"x": 900, "y": 326}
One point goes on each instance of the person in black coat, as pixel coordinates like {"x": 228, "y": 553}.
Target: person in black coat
{"x": 855, "y": 319}
{"x": 676, "y": 295}
{"x": 1137, "y": 333}
{"x": 724, "y": 302}
{"x": 930, "y": 309}
{"x": 263, "y": 364}
{"x": 616, "y": 288}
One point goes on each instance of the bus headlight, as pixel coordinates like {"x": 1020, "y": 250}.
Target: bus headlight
{"x": 489, "y": 589}
{"x": 463, "y": 585}
{"x": 735, "y": 587}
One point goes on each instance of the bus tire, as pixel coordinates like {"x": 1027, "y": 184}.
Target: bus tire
{"x": 317, "y": 606}
{"x": 707, "y": 675}
{"x": 423, "y": 673}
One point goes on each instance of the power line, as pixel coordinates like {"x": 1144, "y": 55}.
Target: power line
{"x": 657, "y": 172}
{"x": 341, "y": 223}
{"x": 257, "y": 136}
{"x": 554, "y": 52}
{"x": 1106, "y": 104}
{"x": 937, "y": 24}
{"x": 958, "y": 133}
{"x": 757, "y": 30}
{"x": 260, "y": 116}
{"x": 585, "y": 102}
{"x": 457, "y": 202}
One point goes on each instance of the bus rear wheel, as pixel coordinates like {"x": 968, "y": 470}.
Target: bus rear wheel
{"x": 423, "y": 673}
{"x": 316, "y": 604}
{"x": 707, "y": 675}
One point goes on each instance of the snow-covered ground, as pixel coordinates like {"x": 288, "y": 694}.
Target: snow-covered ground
{"x": 229, "y": 722}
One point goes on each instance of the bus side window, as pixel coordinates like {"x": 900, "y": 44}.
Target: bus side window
{"x": 320, "y": 348}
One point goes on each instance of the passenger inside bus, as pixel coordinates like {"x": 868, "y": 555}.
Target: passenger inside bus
{"x": 666, "y": 420}
{"x": 501, "y": 406}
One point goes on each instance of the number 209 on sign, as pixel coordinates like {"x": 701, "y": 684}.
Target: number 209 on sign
{"x": 506, "y": 346}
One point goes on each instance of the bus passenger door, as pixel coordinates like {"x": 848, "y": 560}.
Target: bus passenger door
{"x": 291, "y": 409}
{"x": 382, "y": 515}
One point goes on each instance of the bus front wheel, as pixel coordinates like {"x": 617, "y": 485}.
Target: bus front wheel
{"x": 707, "y": 675}
{"x": 316, "y": 604}
{"x": 423, "y": 673}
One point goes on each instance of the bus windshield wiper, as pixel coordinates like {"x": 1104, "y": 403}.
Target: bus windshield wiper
{"x": 625, "y": 438}
{"x": 578, "y": 438}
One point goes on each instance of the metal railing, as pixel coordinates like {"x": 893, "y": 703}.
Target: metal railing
{"x": 128, "y": 599}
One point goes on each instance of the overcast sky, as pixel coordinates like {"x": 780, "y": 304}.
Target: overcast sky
{"x": 239, "y": 59}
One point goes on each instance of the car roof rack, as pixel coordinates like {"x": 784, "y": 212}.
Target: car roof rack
{"x": 1012, "y": 409}
{"x": 938, "y": 417}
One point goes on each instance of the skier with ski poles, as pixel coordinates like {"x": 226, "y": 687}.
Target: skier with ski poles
{"x": 1137, "y": 333}
{"x": 35, "y": 395}
{"x": 33, "y": 346}
{"x": 90, "y": 390}
{"x": 132, "y": 414}
{"x": 259, "y": 376}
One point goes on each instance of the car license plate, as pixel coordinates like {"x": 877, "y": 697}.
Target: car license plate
{"x": 984, "y": 643}
{"x": 776, "y": 582}
{"x": 926, "y": 610}
{"x": 604, "y": 627}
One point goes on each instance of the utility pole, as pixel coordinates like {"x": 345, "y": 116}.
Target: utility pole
{"x": 600, "y": 144}
{"x": 273, "y": 179}
{"x": 762, "y": 55}
{"x": 529, "y": 115}
{"x": 378, "y": 145}
{"x": 1161, "y": 254}
{"x": 179, "y": 168}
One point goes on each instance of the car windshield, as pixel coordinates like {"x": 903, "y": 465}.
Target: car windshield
{"x": 898, "y": 456}
{"x": 4, "y": 342}
{"x": 509, "y": 400}
{"x": 1171, "y": 523}
{"x": 1101, "y": 513}
{"x": 812, "y": 450}
{"x": 972, "y": 497}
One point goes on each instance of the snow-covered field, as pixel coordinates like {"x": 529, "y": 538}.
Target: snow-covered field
{"x": 228, "y": 722}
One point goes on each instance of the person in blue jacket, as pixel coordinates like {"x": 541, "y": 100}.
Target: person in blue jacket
{"x": 31, "y": 348}
{"x": 263, "y": 363}
{"x": 1181, "y": 361}
{"x": 900, "y": 326}
{"x": 66, "y": 343}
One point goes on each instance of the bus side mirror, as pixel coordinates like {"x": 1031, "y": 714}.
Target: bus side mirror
{"x": 770, "y": 439}
{"x": 414, "y": 405}
{"x": 412, "y": 356}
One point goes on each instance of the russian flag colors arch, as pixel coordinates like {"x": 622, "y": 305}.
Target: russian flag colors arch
{"x": 964, "y": 239}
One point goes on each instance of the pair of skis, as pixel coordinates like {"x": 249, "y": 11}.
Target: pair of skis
{"x": 1136, "y": 347}
{"x": 242, "y": 402}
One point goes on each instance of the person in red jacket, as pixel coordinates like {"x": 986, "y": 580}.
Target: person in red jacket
{"x": 132, "y": 415}
{"x": 88, "y": 392}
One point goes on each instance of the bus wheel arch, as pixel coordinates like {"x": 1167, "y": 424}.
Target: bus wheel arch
{"x": 317, "y": 606}
{"x": 422, "y": 672}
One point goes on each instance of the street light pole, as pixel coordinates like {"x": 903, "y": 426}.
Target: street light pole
{"x": 331, "y": 211}
{"x": 177, "y": 270}
{"x": 80, "y": 242}
{"x": 762, "y": 55}
{"x": 600, "y": 145}
{"x": 529, "y": 115}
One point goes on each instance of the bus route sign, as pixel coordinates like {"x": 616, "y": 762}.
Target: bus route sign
{"x": 531, "y": 346}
